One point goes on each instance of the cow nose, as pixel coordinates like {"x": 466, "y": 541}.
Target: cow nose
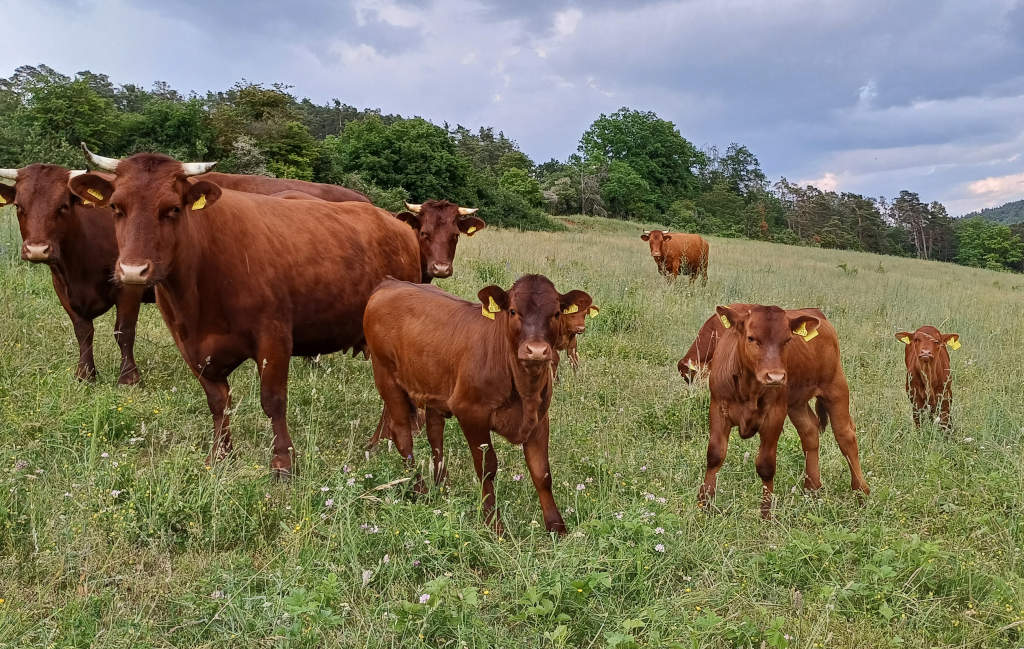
{"x": 37, "y": 252}
{"x": 925, "y": 356}
{"x": 535, "y": 352}
{"x": 441, "y": 270}
{"x": 776, "y": 378}
{"x": 131, "y": 274}
{"x": 581, "y": 329}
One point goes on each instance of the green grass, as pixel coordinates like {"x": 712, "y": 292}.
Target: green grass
{"x": 113, "y": 534}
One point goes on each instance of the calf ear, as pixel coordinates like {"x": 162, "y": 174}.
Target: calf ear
{"x": 645, "y": 236}
{"x": 92, "y": 189}
{"x": 730, "y": 317}
{"x": 904, "y": 337}
{"x": 471, "y": 225}
{"x": 412, "y": 219}
{"x": 7, "y": 194}
{"x": 494, "y": 300}
{"x": 805, "y": 326}
{"x": 201, "y": 194}
{"x": 575, "y": 301}
{"x": 953, "y": 340}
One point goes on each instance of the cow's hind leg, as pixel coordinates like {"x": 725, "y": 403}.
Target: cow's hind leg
{"x": 435, "y": 435}
{"x": 807, "y": 426}
{"x": 837, "y": 403}
{"x": 718, "y": 445}
{"x": 128, "y": 303}
{"x": 399, "y": 417}
{"x": 218, "y": 396}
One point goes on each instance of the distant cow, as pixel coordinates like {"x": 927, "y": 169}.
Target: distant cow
{"x": 928, "y": 383}
{"x": 77, "y": 243}
{"x": 676, "y": 252}
{"x": 770, "y": 362}
{"x": 489, "y": 364}
{"x": 267, "y": 186}
{"x": 243, "y": 276}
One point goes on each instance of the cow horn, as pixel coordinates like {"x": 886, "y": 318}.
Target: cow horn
{"x": 9, "y": 174}
{"x": 414, "y": 208}
{"x": 196, "y": 168}
{"x": 76, "y": 172}
{"x": 466, "y": 211}
{"x": 106, "y": 164}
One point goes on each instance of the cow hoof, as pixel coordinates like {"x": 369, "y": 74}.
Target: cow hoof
{"x": 86, "y": 375}
{"x": 557, "y": 527}
{"x": 130, "y": 378}
{"x": 281, "y": 474}
{"x": 811, "y": 486}
{"x": 419, "y": 487}
{"x": 218, "y": 454}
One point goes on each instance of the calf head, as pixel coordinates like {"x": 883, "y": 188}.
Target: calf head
{"x": 152, "y": 199}
{"x": 41, "y": 197}
{"x": 764, "y": 332}
{"x": 656, "y": 239}
{"x": 925, "y": 344}
{"x": 438, "y": 225}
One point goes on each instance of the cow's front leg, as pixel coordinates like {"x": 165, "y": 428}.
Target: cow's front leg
{"x": 218, "y": 397}
{"x": 536, "y": 451}
{"x": 128, "y": 303}
{"x": 272, "y": 363}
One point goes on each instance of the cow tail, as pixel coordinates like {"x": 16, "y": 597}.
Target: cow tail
{"x": 822, "y": 412}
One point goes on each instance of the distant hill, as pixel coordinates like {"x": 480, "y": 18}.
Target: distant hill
{"x": 1007, "y": 214}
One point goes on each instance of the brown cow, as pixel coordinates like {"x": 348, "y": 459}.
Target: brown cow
{"x": 242, "y": 276}
{"x": 677, "y": 252}
{"x": 572, "y": 323}
{"x": 267, "y": 186}
{"x": 770, "y": 362}
{"x": 438, "y": 225}
{"x": 928, "y": 383}
{"x": 698, "y": 356}
{"x": 490, "y": 366}
{"x": 77, "y": 243}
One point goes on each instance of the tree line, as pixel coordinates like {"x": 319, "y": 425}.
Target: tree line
{"x": 630, "y": 164}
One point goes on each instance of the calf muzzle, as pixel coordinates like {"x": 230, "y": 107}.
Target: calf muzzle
{"x": 36, "y": 252}
{"x": 534, "y": 352}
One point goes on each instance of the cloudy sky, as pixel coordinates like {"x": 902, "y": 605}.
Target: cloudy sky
{"x": 871, "y": 96}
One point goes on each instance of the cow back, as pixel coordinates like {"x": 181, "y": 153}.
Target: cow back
{"x": 268, "y": 186}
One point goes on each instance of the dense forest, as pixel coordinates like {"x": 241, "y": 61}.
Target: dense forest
{"x": 630, "y": 164}
{"x": 1011, "y": 213}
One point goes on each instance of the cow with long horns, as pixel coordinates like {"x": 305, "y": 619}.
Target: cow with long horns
{"x": 244, "y": 276}
{"x": 77, "y": 242}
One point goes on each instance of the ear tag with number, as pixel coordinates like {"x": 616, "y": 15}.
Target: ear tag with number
{"x": 491, "y": 308}
{"x": 802, "y": 332}
{"x": 572, "y": 308}
{"x": 954, "y": 343}
{"x": 725, "y": 321}
{"x": 200, "y": 202}
{"x": 593, "y": 311}
{"x": 906, "y": 340}
{"x": 95, "y": 194}
{"x": 486, "y": 313}
{"x": 471, "y": 230}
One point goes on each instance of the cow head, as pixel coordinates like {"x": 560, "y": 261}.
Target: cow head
{"x": 656, "y": 239}
{"x": 764, "y": 332}
{"x": 41, "y": 197}
{"x": 531, "y": 312}
{"x": 574, "y": 317}
{"x": 438, "y": 225}
{"x": 926, "y": 343}
{"x": 152, "y": 198}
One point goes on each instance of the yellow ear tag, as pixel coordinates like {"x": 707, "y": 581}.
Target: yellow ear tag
{"x": 811, "y": 336}
{"x": 486, "y": 313}
{"x": 573, "y": 308}
{"x": 725, "y": 321}
{"x": 3, "y": 201}
{"x": 200, "y": 202}
{"x": 906, "y": 340}
{"x": 95, "y": 194}
{"x": 594, "y": 311}
{"x": 471, "y": 230}
{"x": 954, "y": 343}
{"x": 492, "y": 306}
{"x": 85, "y": 202}
{"x": 802, "y": 332}
{"x": 691, "y": 366}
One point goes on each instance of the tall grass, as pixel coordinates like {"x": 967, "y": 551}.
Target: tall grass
{"x": 113, "y": 534}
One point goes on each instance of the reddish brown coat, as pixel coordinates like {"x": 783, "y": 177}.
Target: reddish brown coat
{"x": 267, "y": 186}
{"x": 676, "y": 252}
{"x": 768, "y": 363}
{"x": 243, "y": 276}
{"x": 489, "y": 364}
{"x": 929, "y": 385}
{"x": 77, "y": 243}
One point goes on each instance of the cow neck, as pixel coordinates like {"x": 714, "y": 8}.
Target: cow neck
{"x": 77, "y": 258}
{"x": 183, "y": 281}
{"x": 528, "y": 385}
{"x": 928, "y": 376}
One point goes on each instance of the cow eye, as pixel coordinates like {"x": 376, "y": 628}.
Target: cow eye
{"x": 750, "y": 338}
{"x": 173, "y": 212}
{"x": 116, "y": 209}
{"x": 424, "y": 235}
{"x": 511, "y": 311}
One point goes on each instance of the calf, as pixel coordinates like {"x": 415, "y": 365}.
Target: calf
{"x": 678, "y": 252}
{"x": 767, "y": 363}
{"x": 573, "y": 322}
{"x": 928, "y": 383}
{"x": 490, "y": 366}
{"x": 77, "y": 242}
{"x": 243, "y": 276}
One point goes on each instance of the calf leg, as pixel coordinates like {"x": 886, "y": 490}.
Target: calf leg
{"x": 86, "y": 370}
{"x": 485, "y": 461}
{"x": 838, "y": 405}
{"x": 572, "y": 354}
{"x": 382, "y": 431}
{"x": 218, "y": 396}
{"x": 765, "y": 464}
{"x": 435, "y": 435}
{"x": 399, "y": 417}
{"x": 128, "y": 302}
{"x": 807, "y": 426}
{"x": 536, "y": 451}
{"x": 718, "y": 445}
{"x": 272, "y": 358}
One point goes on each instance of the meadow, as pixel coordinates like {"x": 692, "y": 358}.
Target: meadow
{"x": 114, "y": 534}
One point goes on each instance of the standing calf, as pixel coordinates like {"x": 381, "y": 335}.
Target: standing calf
{"x": 490, "y": 366}
{"x": 928, "y": 383}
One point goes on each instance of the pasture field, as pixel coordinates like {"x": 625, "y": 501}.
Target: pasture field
{"x": 114, "y": 534}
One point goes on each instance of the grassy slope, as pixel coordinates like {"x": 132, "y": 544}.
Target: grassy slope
{"x": 116, "y": 541}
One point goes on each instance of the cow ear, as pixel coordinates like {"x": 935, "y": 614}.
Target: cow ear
{"x": 805, "y": 326}
{"x": 92, "y": 189}
{"x": 952, "y": 340}
{"x": 7, "y": 194}
{"x": 575, "y": 301}
{"x": 471, "y": 225}
{"x": 645, "y": 236}
{"x": 730, "y": 317}
{"x": 412, "y": 219}
{"x": 904, "y": 337}
{"x": 494, "y": 300}
{"x": 666, "y": 237}
{"x": 201, "y": 195}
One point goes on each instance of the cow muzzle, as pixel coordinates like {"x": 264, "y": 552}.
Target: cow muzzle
{"x": 774, "y": 378}
{"x": 134, "y": 274}
{"x": 925, "y": 357}
{"x": 36, "y": 252}
{"x": 441, "y": 270}
{"x": 535, "y": 352}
